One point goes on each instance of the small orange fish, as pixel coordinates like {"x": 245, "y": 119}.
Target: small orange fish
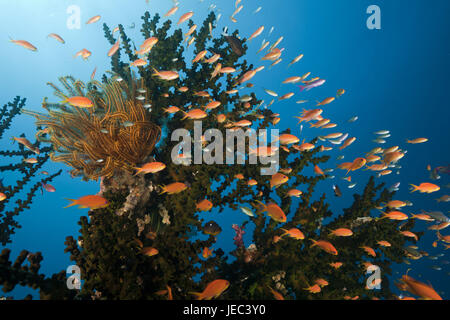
{"x": 174, "y": 188}
{"x": 369, "y": 251}
{"x": 341, "y": 232}
{"x": 252, "y": 182}
{"x": 314, "y": 289}
{"x": 293, "y": 233}
{"x": 420, "y": 289}
{"x": 92, "y": 202}
{"x": 278, "y": 179}
{"x": 79, "y": 101}
{"x": 417, "y": 140}
{"x": 276, "y": 294}
{"x": 24, "y": 44}
{"x": 347, "y": 142}
{"x": 195, "y": 114}
{"x": 2, "y": 196}
{"x": 93, "y": 19}
{"x": 317, "y": 170}
{"x": 149, "y": 251}
{"x": 384, "y": 243}
{"x": 274, "y": 211}
{"x": 409, "y": 234}
{"x": 151, "y": 167}
{"x": 325, "y": 101}
{"x": 57, "y": 37}
{"x": 206, "y": 253}
{"x": 213, "y": 290}
{"x": 171, "y": 11}
{"x": 185, "y": 17}
{"x": 114, "y": 48}
{"x": 200, "y": 56}
{"x": 256, "y": 33}
{"x": 166, "y": 75}
{"x": 294, "y": 193}
{"x": 204, "y": 205}
{"x": 425, "y": 187}
{"x": 321, "y": 282}
{"x": 394, "y": 215}
{"x": 325, "y": 246}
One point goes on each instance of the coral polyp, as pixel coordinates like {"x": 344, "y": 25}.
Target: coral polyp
{"x": 115, "y": 134}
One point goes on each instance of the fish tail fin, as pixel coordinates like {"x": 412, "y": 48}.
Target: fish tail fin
{"x": 414, "y": 187}
{"x": 314, "y": 243}
{"x": 197, "y": 294}
{"x": 383, "y": 217}
{"x": 285, "y": 232}
{"x": 302, "y": 88}
{"x": 185, "y": 115}
{"x": 156, "y": 71}
{"x": 139, "y": 170}
{"x": 74, "y": 202}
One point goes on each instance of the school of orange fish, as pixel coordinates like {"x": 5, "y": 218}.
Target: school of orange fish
{"x": 381, "y": 160}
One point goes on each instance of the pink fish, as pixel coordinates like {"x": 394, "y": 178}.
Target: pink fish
{"x": 314, "y": 84}
{"x": 48, "y": 187}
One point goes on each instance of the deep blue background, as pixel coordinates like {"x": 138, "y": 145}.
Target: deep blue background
{"x": 396, "y": 78}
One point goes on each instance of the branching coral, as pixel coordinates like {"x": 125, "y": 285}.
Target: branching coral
{"x": 116, "y": 134}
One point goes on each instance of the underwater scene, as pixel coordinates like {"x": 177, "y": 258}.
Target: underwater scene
{"x": 224, "y": 150}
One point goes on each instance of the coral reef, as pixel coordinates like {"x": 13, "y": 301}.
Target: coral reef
{"x": 110, "y": 248}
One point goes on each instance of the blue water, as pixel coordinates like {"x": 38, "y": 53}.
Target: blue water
{"x": 395, "y": 78}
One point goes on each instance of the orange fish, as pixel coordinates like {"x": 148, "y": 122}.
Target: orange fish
{"x": 204, "y": 205}
{"x": 274, "y": 211}
{"x": 294, "y": 193}
{"x": 369, "y": 251}
{"x": 321, "y": 282}
{"x": 384, "y": 243}
{"x": 57, "y": 37}
{"x": 185, "y": 17}
{"x": 317, "y": 170}
{"x": 114, "y": 48}
{"x": 206, "y": 253}
{"x": 325, "y": 101}
{"x": 213, "y": 290}
{"x": 394, "y": 215}
{"x": 276, "y": 294}
{"x": 443, "y": 238}
{"x": 174, "y": 188}
{"x": 200, "y": 56}
{"x": 278, "y": 179}
{"x": 149, "y": 251}
{"x": 151, "y": 167}
{"x": 171, "y": 109}
{"x": 166, "y": 75}
{"x": 256, "y": 33}
{"x": 293, "y": 233}
{"x": 171, "y": 11}
{"x": 273, "y": 55}
{"x": 93, "y": 19}
{"x": 358, "y": 163}
{"x": 425, "y": 187}
{"x": 195, "y": 114}
{"x": 313, "y": 289}
{"x": 409, "y": 234}
{"x": 24, "y": 44}
{"x": 252, "y": 182}
{"x": 80, "y": 102}
{"x": 92, "y": 202}
{"x": 2, "y": 196}
{"x": 420, "y": 289}
{"x": 84, "y": 53}
{"x": 417, "y": 140}
{"x": 347, "y": 142}
{"x": 324, "y": 245}
{"x": 341, "y": 232}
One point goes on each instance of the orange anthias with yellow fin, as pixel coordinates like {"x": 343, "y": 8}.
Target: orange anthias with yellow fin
{"x": 92, "y": 202}
{"x": 273, "y": 211}
{"x": 213, "y": 290}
